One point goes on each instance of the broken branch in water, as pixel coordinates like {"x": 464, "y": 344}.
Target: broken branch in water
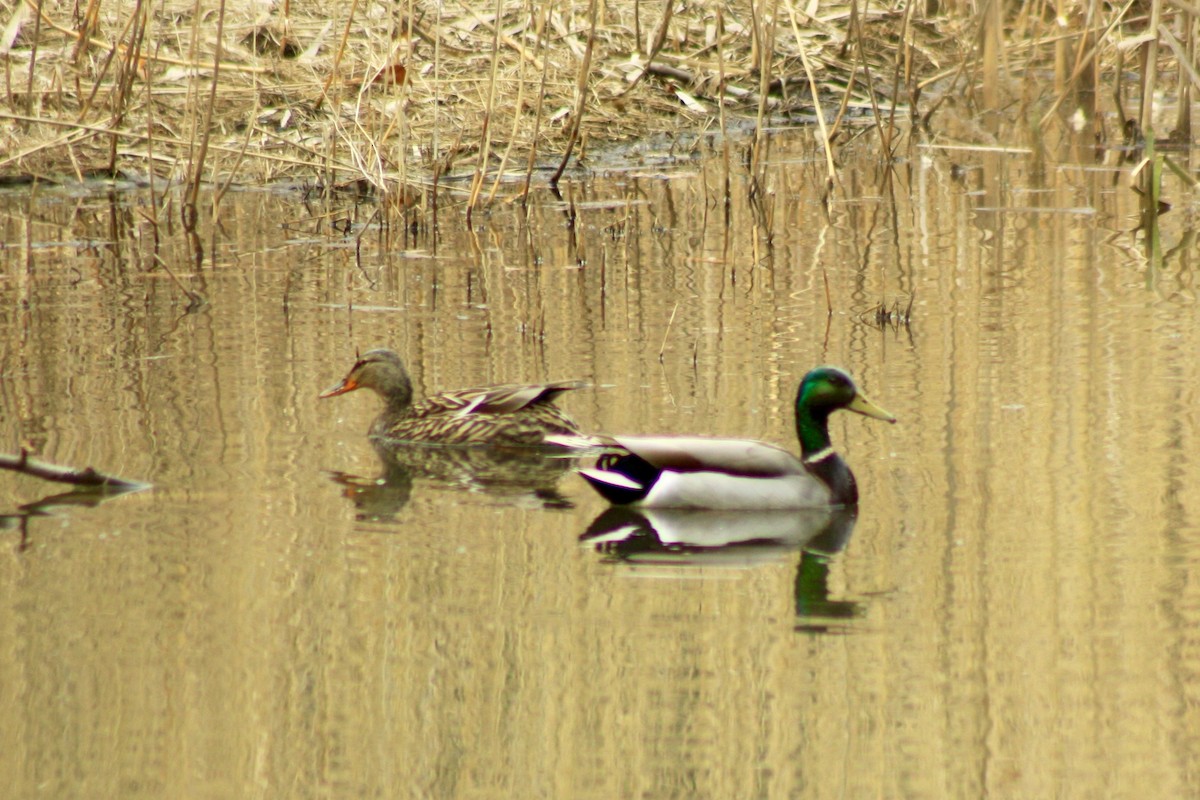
{"x": 51, "y": 472}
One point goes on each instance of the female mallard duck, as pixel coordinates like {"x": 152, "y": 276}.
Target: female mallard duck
{"x": 511, "y": 415}
{"x": 698, "y": 472}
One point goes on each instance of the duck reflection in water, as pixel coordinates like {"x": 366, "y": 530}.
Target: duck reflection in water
{"x": 512, "y": 476}
{"x": 681, "y": 538}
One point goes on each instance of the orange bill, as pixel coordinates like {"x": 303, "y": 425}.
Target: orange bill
{"x": 348, "y": 385}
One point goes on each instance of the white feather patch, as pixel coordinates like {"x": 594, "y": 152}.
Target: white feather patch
{"x": 820, "y": 455}
{"x": 611, "y": 478}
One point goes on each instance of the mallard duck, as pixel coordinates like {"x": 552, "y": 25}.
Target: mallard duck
{"x": 699, "y": 472}
{"x": 512, "y": 415}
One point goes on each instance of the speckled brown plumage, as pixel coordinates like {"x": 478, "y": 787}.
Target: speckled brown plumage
{"x": 511, "y": 415}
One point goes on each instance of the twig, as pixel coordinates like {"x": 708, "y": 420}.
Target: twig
{"x": 662, "y": 348}
{"x": 195, "y": 300}
{"x": 79, "y": 477}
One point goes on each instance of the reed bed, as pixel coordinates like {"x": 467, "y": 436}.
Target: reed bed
{"x": 490, "y": 98}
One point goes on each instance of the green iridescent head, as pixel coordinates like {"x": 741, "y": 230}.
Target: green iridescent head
{"x": 823, "y": 391}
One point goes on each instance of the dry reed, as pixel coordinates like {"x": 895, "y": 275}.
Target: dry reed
{"x": 397, "y": 98}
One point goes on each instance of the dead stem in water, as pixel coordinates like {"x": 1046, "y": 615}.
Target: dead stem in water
{"x": 891, "y": 316}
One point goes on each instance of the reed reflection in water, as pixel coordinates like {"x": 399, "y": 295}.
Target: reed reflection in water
{"x": 1020, "y": 572}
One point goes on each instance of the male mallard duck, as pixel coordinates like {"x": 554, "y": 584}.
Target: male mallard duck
{"x": 699, "y": 472}
{"x": 512, "y": 415}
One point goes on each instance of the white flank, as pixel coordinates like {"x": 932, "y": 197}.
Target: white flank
{"x": 712, "y": 528}
{"x": 716, "y": 490}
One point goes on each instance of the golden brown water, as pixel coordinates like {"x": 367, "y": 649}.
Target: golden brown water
{"x": 1014, "y": 615}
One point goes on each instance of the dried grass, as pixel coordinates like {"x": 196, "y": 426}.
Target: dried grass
{"x": 398, "y": 97}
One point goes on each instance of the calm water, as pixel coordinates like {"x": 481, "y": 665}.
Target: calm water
{"x": 1013, "y": 613}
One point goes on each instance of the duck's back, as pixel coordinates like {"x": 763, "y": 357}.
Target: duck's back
{"x": 513, "y": 415}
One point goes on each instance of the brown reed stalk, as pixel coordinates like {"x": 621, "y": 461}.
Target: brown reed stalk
{"x": 485, "y": 134}
{"x": 223, "y": 189}
{"x": 580, "y": 93}
{"x": 662, "y": 347}
{"x": 1185, "y": 56}
{"x": 847, "y": 93}
{"x": 991, "y": 37}
{"x": 337, "y": 56}
{"x": 1149, "y": 176}
{"x": 660, "y": 38}
{"x": 764, "y": 37}
{"x": 33, "y": 60}
{"x": 537, "y": 116}
{"x": 195, "y": 299}
{"x": 405, "y": 127}
{"x": 153, "y": 216}
{"x": 901, "y": 67}
{"x": 7, "y": 37}
{"x": 438, "y": 162}
{"x": 89, "y": 25}
{"x": 518, "y": 106}
{"x": 726, "y": 165}
{"x": 1080, "y": 83}
{"x": 1085, "y": 60}
{"x": 75, "y": 135}
{"x": 885, "y": 133}
{"x": 114, "y": 49}
{"x": 129, "y": 70}
{"x": 826, "y": 143}
{"x": 196, "y": 172}
{"x": 1150, "y": 71}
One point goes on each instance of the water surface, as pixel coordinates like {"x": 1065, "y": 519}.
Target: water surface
{"x": 1012, "y": 613}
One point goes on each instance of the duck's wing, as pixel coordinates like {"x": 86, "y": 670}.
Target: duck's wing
{"x": 739, "y": 457}
{"x": 505, "y": 399}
